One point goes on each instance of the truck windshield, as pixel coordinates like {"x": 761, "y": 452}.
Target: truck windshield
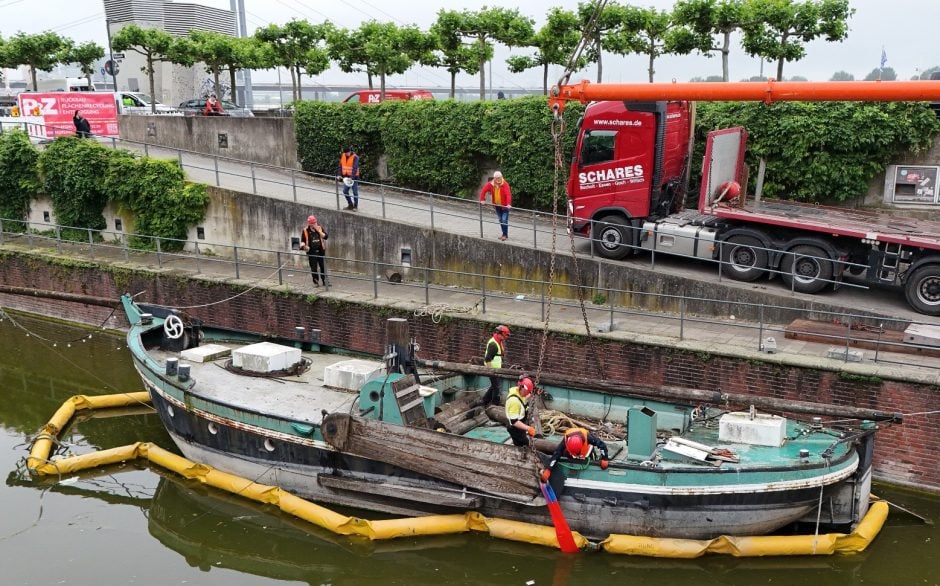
{"x": 598, "y": 146}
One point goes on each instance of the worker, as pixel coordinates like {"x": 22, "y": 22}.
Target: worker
{"x": 348, "y": 173}
{"x": 493, "y": 358}
{"x": 516, "y": 411}
{"x": 213, "y": 107}
{"x": 580, "y": 446}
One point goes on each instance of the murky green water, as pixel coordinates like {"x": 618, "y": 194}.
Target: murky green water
{"x": 136, "y": 525}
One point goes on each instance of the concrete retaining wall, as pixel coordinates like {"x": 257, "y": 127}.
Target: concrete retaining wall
{"x": 268, "y": 141}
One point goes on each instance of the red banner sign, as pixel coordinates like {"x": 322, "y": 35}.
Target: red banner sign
{"x": 58, "y": 108}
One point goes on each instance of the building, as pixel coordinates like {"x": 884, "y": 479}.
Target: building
{"x": 172, "y": 83}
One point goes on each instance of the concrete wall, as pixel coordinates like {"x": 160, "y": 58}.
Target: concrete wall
{"x": 903, "y": 453}
{"x": 269, "y": 141}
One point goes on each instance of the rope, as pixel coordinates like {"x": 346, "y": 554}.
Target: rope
{"x": 437, "y": 310}
{"x": 226, "y": 300}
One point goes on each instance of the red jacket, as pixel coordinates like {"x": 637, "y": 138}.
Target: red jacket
{"x": 504, "y": 197}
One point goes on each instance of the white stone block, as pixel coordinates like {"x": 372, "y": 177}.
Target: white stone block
{"x": 761, "y": 430}
{"x": 352, "y": 374}
{"x": 837, "y": 353}
{"x": 923, "y": 335}
{"x": 206, "y": 353}
{"x": 265, "y": 357}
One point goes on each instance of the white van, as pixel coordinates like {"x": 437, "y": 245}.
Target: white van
{"x": 64, "y": 84}
{"x": 138, "y": 103}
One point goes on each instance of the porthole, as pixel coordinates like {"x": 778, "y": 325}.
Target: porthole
{"x": 169, "y": 410}
{"x": 269, "y": 445}
{"x": 374, "y": 396}
{"x": 213, "y": 428}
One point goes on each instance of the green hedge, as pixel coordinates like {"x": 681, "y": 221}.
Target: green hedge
{"x": 19, "y": 177}
{"x": 444, "y": 146}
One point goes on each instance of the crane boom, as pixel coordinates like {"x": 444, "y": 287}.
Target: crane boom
{"x": 768, "y": 91}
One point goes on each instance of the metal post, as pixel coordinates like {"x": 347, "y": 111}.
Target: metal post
{"x": 159, "y": 260}
{"x": 179, "y": 156}
{"x": 91, "y": 245}
{"x": 543, "y": 300}
{"x": 375, "y": 279}
{"x": 878, "y": 342}
{"x": 721, "y": 256}
{"x": 280, "y": 277}
{"x": 610, "y": 300}
{"x": 124, "y": 245}
{"x": 481, "y": 220}
{"x": 535, "y": 230}
{"x": 382, "y": 196}
{"x": 427, "y": 287}
{"x": 431, "y": 206}
{"x": 293, "y": 183}
{"x": 146, "y": 150}
{"x": 337, "y": 195}
{"x": 237, "y": 271}
{"x": 681, "y": 318}
{"x": 254, "y": 183}
{"x": 58, "y": 240}
{"x": 848, "y": 334}
{"x": 197, "y": 258}
{"x": 483, "y": 291}
{"x": 107, "y": 24}
{"x": 760, "y": 327}
{"x": 215, "y": 161}
{"x": 591, "y": 237}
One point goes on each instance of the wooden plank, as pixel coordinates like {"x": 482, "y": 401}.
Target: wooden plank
{"x": 869, "y": 338}
{"x": 398, "y": 491}
{"x": 477, "y": 464}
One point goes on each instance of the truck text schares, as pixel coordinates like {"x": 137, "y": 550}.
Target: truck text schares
{"x": 629, "y": 177}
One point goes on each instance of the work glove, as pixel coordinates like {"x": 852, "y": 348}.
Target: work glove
{"x": 531, "y": 431}
{"x": 604, "y": 464}
{"x": 545, "y": 474}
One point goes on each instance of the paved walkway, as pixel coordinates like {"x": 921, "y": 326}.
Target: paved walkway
{"x": 712, "y": 335}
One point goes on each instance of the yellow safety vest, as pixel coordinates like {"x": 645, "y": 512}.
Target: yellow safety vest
{"x": 497, "y": 361}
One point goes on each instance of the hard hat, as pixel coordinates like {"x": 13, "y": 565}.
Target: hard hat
{"x": 729, "y": 190}
{"x": 348, "y": 181}
{"x": 526, "y": 385}
{"x": 311, "y": 219}
{"x": 502, "y": 330}
{"x": 574, "y": 443}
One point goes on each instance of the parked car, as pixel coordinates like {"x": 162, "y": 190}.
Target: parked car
{"x": 197, "y": 106}
{"x": 375, "y": 96}
{"x": 138, "y": 103}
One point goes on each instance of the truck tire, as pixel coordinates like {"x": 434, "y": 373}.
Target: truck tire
{"x": 743, "y": 258}
{"x": 806, "y": 268}
{"x": 611, "y": 238}
{"x": 922, "y": 289}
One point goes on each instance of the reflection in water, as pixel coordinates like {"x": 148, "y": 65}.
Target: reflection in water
{"x": 162, "y": 529}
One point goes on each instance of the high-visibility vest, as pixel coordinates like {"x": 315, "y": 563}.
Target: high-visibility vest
{"x": 585, "y": 446}
{"x": 346, "y": 163}
{"x": 513, "y": 411}
{"x": 497, "y": 361}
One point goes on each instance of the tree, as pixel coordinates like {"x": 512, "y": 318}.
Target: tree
{"x": 299, "y": 46}
{"x": 708, "y": 19}
{"x": 598, "y": 26}
{"x": 503, "y": 25}
{"x": 40, "y": 51}
{"x": 154, "y": 44}
{"x": 85, "y": 55}
{"x": 927, "y": 73}
{"x": 555, "y": 43}
{"x": 886, "y": 74}
{"x": 777, "y": 29}
{"x": 219, "y": 52}
{"x": 455, "y": 55}
{"x": 842, "y": 76}
{"x": 651, "y": 32}
{"x": 382, "y": 49}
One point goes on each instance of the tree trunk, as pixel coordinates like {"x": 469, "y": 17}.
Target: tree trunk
{"x": 88, "y": 78}
{"x": 725, "y": 50}
{"x": 780, "y": 69}
{"x": 293, "y": 84}
{"x": 218, "y": 86}
{"x": 369, "y": 75}
{"x": 651, "y": 69}
{"x": 482, "y": 69}
{"x": 600, "y": 66}
{"x": 453, "y": 84}
{"x": 382, "y": 84}
{"x": 32, "y": 72}
{"x": 231, "y": 73}
{"x": 153, "y": 86}
{"x": 545, "y": 79}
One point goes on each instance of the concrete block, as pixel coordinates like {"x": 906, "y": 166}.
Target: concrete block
{"x": 769, "y": 345}
{"x": 352, "y": 374}
{"x": 605, "y": 327}
{"x": 265, "y": 357}
{"x": 206, "y": 353}
{"x": 761, "y": 430}
{"x": 839, "y": 354}
{"x": 923, "y": 335}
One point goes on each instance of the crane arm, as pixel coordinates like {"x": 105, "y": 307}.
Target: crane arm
{"x": 769, "y": 91}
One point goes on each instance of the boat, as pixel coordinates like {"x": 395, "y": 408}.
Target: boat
{"x": 408, "y": 437}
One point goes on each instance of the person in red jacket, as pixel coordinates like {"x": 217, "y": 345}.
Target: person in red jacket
{"x": 497, "y": 192}
{"x": 213, "y": 107}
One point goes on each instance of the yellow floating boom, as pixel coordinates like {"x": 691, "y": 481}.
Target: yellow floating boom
{"x": 40, "y": 464}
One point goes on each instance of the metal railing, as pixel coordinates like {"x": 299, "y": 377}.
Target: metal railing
{"x": 443, "y": 291}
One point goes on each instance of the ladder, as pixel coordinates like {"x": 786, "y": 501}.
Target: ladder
{"x": 410, "y": 402}
{"x": 890, "y": 262}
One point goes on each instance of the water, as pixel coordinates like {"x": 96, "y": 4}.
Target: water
{"x": 137, "y": 525}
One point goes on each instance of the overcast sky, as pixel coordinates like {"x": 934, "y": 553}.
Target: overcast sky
{"x": 907, "y": 29}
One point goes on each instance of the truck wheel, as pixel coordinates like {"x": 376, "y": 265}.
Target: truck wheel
{"x": 923, "y": 290}
{"x": 806, "y": 268}
{"x": 743, "y": 258}
{"x": 611, "y": 237}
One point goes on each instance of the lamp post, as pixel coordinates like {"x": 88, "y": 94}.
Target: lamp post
{"x": 107, "y": 23}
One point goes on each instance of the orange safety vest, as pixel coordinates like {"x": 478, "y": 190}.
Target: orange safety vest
{"x": 346, "y": 164}
{"x": 585, "y": 446}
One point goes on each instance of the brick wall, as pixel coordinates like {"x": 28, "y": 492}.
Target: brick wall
{"x": 904, "y": 453}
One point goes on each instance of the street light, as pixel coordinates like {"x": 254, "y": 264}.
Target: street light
{"x": 107, "y": 22}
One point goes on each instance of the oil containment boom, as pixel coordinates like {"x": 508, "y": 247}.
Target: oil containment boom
{"x": 767, "y": 91}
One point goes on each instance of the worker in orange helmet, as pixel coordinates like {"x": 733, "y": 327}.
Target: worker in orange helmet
{"x": 517, "y": 402}
{"x": 579, "y": 446}
{"x": 493, "y": 358}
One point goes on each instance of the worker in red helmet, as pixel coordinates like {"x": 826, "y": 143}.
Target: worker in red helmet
{"x": 579, "y": 446}
{"x": 517, "y": 402}
{"x": 493, "y": 358}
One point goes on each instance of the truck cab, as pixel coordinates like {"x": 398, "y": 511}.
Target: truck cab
{"x": 630, "y": 163}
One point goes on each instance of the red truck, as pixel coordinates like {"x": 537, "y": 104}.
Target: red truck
{"x": 629, "y": 177}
